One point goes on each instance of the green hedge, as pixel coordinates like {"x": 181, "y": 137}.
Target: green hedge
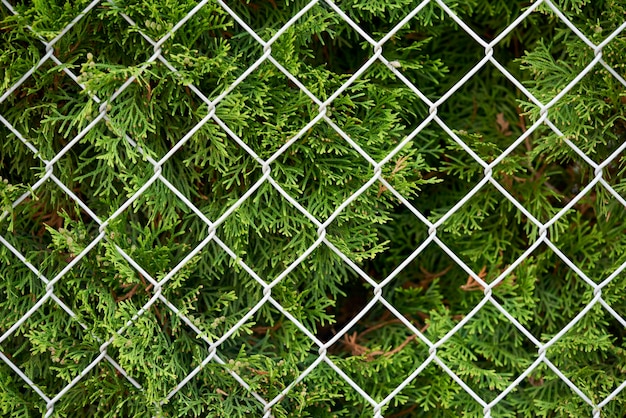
{"x": 320, "y": 170}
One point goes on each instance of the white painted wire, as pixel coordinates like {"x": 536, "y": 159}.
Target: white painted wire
{"x": 322, "y": 117}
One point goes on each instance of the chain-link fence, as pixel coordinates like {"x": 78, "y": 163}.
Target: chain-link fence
{"x": 378, "y": 180}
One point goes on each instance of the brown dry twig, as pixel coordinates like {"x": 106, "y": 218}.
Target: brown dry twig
{"x": 472, "y": 284}
{"x": 263, "y": 329}
{"x": 127, "y": 295}
{"x": 400, "y": 165}
{"x": 356, "y": 349}
{"x": 428, "y": 277}
{"x": 403, "y": 412}
{"x": 503, "y": 125}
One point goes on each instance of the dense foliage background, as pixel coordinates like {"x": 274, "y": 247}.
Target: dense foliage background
{"x": 320, "y": 170}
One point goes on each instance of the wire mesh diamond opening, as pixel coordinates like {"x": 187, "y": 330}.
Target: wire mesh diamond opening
{"x": 450, "y": 52}
{"x": 151, "y": 236}
{"x": 93, "y": 287}
{"x": 413, "y": 286}
{"x": 321, "y": 170}
{"x": 398, "y": 247}
{"x": 436, "y": 376}
{"x": 269, "y": 118}
{"x": 380, "y": 344}
{"x": 450, "y": 163}
{"x": 50, "y": 235}
{"x": 48, "y": 364}
{"x": 495, "y": 122}
{"x": 211, "y": 51}
{"x": 377, "y": 94}
{"x": 347, "y": 401}
{"x": 541, "y": 271}
{"x": 266, "y": 365}
{"x": 214, "y": 313}
{"x": 159, "y": 370}
{"x": 596, "y": 341}
{"x": 111, "y": 168}
{"x": 594, "y": 258}
{"x": 48, "y": 112}
{"x": 482, "y": 215}
{"x": 220, "y": 170}
{"x": 491, "y": 374}
{"x": 264, "y": 225}
{"x": 52, "y": 25}
{"x": 356, "y": 232}
{"x": 300, "y": 293}
{"x": 213, "y": 389}
{"x": 296, "y": 40}
{"x": 324, "y": 32}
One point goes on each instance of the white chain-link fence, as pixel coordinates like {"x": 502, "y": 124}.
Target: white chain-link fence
{"x": 378, "y": 45}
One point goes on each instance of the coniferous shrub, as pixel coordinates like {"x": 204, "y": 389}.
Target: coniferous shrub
{"x": 145, "y": 218}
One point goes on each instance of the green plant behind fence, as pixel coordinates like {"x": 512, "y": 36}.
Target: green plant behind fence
{"x": 135, "y": 125}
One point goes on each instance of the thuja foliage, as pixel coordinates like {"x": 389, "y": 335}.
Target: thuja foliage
{"x": 105, "y": 165}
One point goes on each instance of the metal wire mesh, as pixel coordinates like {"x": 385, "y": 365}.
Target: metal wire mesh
{"x": 321, "y": 117}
